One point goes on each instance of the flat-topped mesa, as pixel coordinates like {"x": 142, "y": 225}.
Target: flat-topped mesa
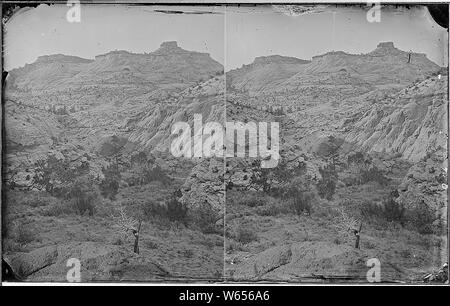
{"x": 387, "y": 44}
{"x": 169, "y": 47}
{"x": 278, "y": 59}
{"x": 61, "y": 58}
{"x": 333, "y": 54}
{"x": 386, "y": 48}
{"x": 383, "y": 48}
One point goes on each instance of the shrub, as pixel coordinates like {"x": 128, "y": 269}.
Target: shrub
{"x": 152, "y": 209}
{"x": 25, "y": 235}
{"x": 53, "y": 169}
{"x": 357, "y": 158}
{"x": 274, "y": 208}
{"x": 421, "y": 217}
{"x": 337, "y": 241}
{"x": 232, "y": 246}
{"x": 176, "y": 211}
{"x": 389, "y": 210}
{"x": 188, "y": 253}
{"x": 373, "y": 174}
{"x": 393, "y": 211}
{"x": 35, "y": 199}
{"x": 325, "y": 211}
{"x": 154, "y": 173}
{"x": 364, "y": 170}
{"x": 245, "y": 234}
{"x": 299, "y": 194}
{"x": 84, "y": 203}
{"x": 82, "y": 197}
{"x": 118, "y": 241}
{"x": 251, "y": 199}
{"x": 151, "y": 244}
{"x": 109, "y": 186}
{"x": 370, "y": 210}
{"x": 274, "y": 181}
{"x": 303, "y": 203}
{"x": 327, "y": 185}
{"x": 205, "y": 218}
{"x": 369, "y": 245}
{"x": 58, "y": 209}
{"x": 10, "y": 246}
{"x": 405, "y": 253}
{"x": 145, "y": 172}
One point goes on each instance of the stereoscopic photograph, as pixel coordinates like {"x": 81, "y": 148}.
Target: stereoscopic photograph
{"x": 212, "y": 144}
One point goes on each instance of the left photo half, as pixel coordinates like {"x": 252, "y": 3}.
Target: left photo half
{"x": 109, "y": 114}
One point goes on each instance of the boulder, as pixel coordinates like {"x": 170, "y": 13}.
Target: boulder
{"x": 100, "y": 262}
{"x": 263, "y": 263}
{"x": 25, "y": 264}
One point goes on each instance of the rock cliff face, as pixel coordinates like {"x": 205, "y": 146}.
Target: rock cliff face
{"x": 412, "y": 122}
{"x": 264, "y": 73}
{"x": 205, "y": 186}
{"x": 422, "y": 185}
{"x": 168, "y": 65}
{"x": 116, "y": 93}
{"x": 387, "y": 102}
{"x": 386, "y": 66}
{"x": 69, "y": 106}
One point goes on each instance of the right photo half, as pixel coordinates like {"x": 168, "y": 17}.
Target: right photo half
{"x": 336, "y": 139}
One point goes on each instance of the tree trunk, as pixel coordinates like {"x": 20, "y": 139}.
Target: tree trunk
{"x": 358, "y": 236}
{"x": 136, "y": 238}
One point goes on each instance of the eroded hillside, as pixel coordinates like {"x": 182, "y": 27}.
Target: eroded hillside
{"x": 363, "y": 141}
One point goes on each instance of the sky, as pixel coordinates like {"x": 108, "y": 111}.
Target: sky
{"x": 103, "y": 28}
{"x": 258, "y": 32}
{"x": 233, "y": 36}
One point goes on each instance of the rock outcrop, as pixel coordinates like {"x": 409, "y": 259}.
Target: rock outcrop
{"x": 263, "y": 263}
{"x": 167, "y": 65}
{"x": 385, "y": 66}
{"x": 71, "y": 106}
{"x": 412, "y": 123}
{"x": 25, "y": 264}
{"x": 98, "y": 263}
{"x": 205, "y": 186}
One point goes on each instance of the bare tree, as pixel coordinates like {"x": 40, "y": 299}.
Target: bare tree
{"x": 127, "y": 224}
{"x": 349, "y": 226}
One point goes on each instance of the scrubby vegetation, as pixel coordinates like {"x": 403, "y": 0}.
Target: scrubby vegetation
{"x": 109, "y": 186}
{"x": 363, "y": 170}
{"x": 245, "y": 234}
{"x": 70, "y": 201}
{"x": 327, "y": 184}
{"x": 84, "y": 208}
{"x": 56, "y": 174}
{"x": 353, "y": 202}
{"x": 289, "y": 186}
{"x": 204, "y": 218}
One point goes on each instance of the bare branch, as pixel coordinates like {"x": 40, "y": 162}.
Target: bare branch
{"x": 346, "y": 224}
{"x": 124, "y": 222}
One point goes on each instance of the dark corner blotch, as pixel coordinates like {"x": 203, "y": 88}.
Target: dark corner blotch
{"x": 8, "y": 274}
{"x": 10, "y": 8}
{"x": 439, "y": 12}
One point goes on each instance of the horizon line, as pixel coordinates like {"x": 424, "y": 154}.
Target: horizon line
{"x": 209, "y": 54}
